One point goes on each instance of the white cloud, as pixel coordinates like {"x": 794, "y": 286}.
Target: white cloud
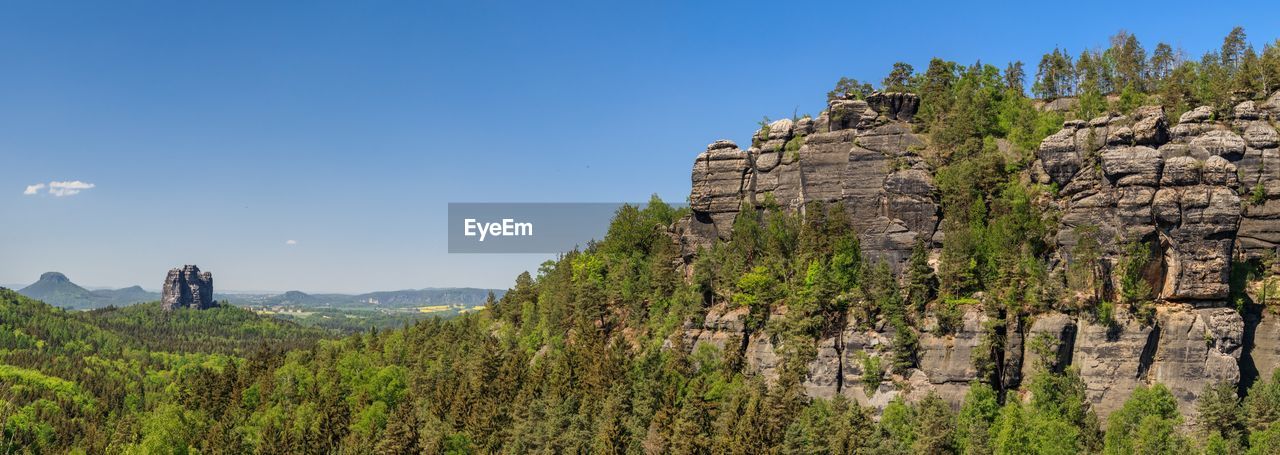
{"x": 33, "y": 189}
{"x": 71, "y": 188}
{"x": 290, "y": 242}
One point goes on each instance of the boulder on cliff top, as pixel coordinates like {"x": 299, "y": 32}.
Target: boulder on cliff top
{"x": 895, "y": 105}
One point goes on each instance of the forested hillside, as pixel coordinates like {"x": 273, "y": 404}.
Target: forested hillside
{"x": 710, "y": 329}
{"x": 103, "y": 381}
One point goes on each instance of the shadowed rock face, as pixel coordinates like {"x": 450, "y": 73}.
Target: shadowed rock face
{"x": 1201, "y": 192}
{"x": 187, "y": 287}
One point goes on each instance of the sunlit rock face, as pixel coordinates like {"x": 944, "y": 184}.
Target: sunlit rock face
{"x": 187, "y": 287}
{"x": 859, "y": 153}
{"x": 1202, "y": 191}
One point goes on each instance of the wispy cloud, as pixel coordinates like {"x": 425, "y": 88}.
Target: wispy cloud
{"x": 72, "y": 188}
{"x": 290, "y": 242}
{"x": 58, "y": 189}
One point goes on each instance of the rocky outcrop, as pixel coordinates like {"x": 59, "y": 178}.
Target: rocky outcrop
{"x": 1113, "y": 358}
{"x": 1201, "y": 193}
{"x": 897, "y": 106}
{"x": 1180, "y": 191}
{"x": 1050, "y": 339}
{"x": 1133, "y": 186}
{"x": 859, "y": 153}
{"x": 1062, "y": 104}
{"x": 1184, "y": 348}
{"x": 1259, "y": 183}
{"x": 722, "y": 328}
{"x": 187, "y": 287}
{"x": 946, "y": 360}
{"x": 1196, "y": 347}
{"x": 841, "y": 366}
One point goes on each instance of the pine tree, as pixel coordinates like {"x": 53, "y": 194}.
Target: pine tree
{"x": 1015, "y": 78}
{"x": 1146, "y": 423}
{"x": 1249, "y": 80}
{"x": 847, "y": 87}
{"x": 922, "y": 285}
{"x": 977, "y": 415}
{"x": 690, "y": 433}
{"x": 1270, "y": 63}
{"x": 899, "y": 78}
{"x": 851, "y": 429}
{"x": 1163, "y": 61}
{"x": 897, "y": 423}
{"x": 811, "y": 432}
{"x": 1055, "y": 75}
{"x": 401, "y": 434}
{"x": 1130, "y": 61}
{"x": 1218, "y": 411}
{"x": 935, "y": 424}
{"x": 935, "y": 88}
{"x": 1262, "y": 404}
{"x": 1233, "y": 48}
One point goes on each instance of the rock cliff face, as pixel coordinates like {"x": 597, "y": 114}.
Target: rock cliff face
{"x": 857, "y": 153}
{"x": 1203, "y": 192}
{"x": 187, "y": 287}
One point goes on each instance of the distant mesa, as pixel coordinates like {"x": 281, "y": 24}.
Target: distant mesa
{"x": 187, "y": 287}
{"x": 54, "y": 277}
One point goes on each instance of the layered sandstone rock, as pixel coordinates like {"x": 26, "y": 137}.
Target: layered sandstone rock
{"x": 1180, "y": 195}
{"x": 946, "y": 361}
{"x": 861, "y": 154}
{"x": 1179, "y": 191}
{"x": 1196, "y": 347}
{"x": 187, "y": 287}
{"x": 1202, "y": 192}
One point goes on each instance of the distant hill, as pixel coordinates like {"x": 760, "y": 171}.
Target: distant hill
{"x": 126, "y": 296}
{"x": 403, "y": 299}
{"x": 56, "y": 289}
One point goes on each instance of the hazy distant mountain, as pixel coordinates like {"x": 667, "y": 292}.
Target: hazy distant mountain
{"x": 408, "y": 298}
{"x": 129, "y": 295}
{"x": 295, "y": 298}
{"x": 56, "y": 289}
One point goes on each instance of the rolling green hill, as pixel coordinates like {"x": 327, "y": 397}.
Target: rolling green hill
{"x": 63, "y": 373}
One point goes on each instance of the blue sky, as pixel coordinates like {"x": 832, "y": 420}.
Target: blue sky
{"x": 215, "y": 132}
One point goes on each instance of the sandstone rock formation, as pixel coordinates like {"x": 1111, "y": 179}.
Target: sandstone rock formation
{"x": 1180, "y": 190}
{"x": 1184, "y": 195}
{"x": 1202, "y": 192}
{"x": 858, "y": 153}
{"x": 187, "y": 287}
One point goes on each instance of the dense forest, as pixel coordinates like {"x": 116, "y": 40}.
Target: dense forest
{"x": 588, "y": 355}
